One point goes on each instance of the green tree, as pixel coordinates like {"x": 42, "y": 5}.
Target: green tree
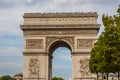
{"x": 57, "y": 78}
{"x": 105, "y": 55}
{"x": 6, "y": 77}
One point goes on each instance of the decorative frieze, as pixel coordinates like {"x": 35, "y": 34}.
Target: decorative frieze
{"x": 70, "y": 40}
{"x": 34, "y": 44}
{"x": 84, "y": 43}
{"x": 59, "y": 26}
{"x": 81, "y": 20}
{"x": 59, "y": 32}
{"x": 50, "y": 40}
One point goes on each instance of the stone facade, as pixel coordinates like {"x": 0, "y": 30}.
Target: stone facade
{"x": 44, "y": 32}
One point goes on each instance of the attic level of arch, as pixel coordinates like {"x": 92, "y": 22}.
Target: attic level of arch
{"x": 59, "y": 18}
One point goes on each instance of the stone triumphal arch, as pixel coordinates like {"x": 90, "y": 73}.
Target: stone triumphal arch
{"x": 44, "y": 32}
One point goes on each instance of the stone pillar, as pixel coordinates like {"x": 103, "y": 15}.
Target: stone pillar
{"x": 50, "y": 67}
{"x": 80, "y": 66}
{"x": 35, "y": 66}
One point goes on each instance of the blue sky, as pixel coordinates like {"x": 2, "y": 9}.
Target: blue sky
{"x": 62, "y": 63}
{"x": 11, "y": 36}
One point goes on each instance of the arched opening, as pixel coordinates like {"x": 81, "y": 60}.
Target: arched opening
{"x": 60, "y": 62}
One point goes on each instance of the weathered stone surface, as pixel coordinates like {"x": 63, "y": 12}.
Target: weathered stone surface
{"x": 84, "y": 44}
{"x": 34, "y": 43}
{"x": 44, "y": 32}
{"x": 63, "y": 15}
{"x": 59, "y": 32}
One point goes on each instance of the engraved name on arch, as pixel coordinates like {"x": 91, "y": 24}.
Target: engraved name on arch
{"x": 34, "y": 43}
{"x": 84, "y": 43}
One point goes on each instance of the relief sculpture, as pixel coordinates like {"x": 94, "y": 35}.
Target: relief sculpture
{"x": 45, "y": 32}
{"x": 34, "y": 66}
{"x": 49, "y": 40}
{"x": 84, "y": 67}
{"x": 70, "y": 40}
{"x": 84, "y": 44}
{"x": 34, "y": 44}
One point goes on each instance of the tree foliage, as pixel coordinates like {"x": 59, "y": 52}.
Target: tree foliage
{"x": 57, "y": 78}
{"x": 6, "y": 77}
{"x": 105, "y": 55}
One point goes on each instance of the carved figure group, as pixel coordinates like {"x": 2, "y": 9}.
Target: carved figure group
{"x": 34, "y": 43}
{"x": 84, "y": 67}
{"x": 83, "y": 44}
{"x": 34, "y": 66}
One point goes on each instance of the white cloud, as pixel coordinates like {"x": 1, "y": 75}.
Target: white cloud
{"x": 60, "y": 1}
{"x": 10, "y": 22}
{"x": 28, "y": 0}
{"x": 10, "y": 51}
{"x": 12, "y": 18}
{"x": 11, "y": 12}
{"x": 10, "y": 64}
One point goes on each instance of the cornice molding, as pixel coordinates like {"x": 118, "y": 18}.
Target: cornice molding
{"x": 32, "y": 52}
{"x": 76, "y": 26}
{"x": 60, "y": 15}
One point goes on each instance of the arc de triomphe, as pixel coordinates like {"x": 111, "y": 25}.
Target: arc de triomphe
{"x": 44, "y": 32}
